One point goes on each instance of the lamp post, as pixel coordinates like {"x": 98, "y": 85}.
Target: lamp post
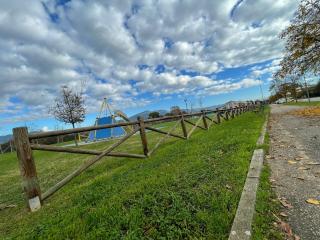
{"x": 307, "y": 88}
{"x": 186, "y": 102}
{"x": 260, "y": 85}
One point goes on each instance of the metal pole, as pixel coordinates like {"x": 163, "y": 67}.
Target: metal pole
{"x": 307, "y": 88}
{"x": 185, "y": 100}
{"x": 261, "y": 90}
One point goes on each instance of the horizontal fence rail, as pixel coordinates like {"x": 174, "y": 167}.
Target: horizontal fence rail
{"x": 24, "y": 145}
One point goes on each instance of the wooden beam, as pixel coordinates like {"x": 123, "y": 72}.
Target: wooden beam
{"x": 78, "y": 130}
{"x": 81, "y": 151}
{"x": 232, "y": 113}
{"x": 84, "y": 166}
{"x": 163, "y": 132}
{"x": 183, "y": 126}
{"x": 195, "y": 125}
{"x": 218, "y": 118}
{"x": 105, "y": 126}
{"x": 143, "y": 136}
{"x": 212, "y": 120}
{"x": 164, "y": 138}
{"x": 205, "y": 124}
{"x": 28, "y": 170}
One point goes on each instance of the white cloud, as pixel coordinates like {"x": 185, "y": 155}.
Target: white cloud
{"x": 105, "y": 43}
{"x": 45, "y": 129}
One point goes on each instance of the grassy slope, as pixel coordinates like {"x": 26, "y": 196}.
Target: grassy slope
{"x": 185, "y": 190}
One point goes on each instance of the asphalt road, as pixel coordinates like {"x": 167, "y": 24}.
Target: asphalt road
{"x": 295, "y": 171}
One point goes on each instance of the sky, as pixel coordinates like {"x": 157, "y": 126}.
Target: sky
{"x": 141, "y": 55}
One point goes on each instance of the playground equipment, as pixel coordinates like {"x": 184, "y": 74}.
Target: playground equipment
{"x": 108, "y": 116}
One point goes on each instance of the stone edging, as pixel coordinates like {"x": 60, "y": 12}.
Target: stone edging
{"x": 241, "y": 227}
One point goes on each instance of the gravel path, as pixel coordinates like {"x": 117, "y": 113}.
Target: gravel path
{"x": 294, "y": 146}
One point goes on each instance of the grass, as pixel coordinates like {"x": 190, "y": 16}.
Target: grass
{"x": 186, "y": 190}
{"x": 303, "y": 103}
{"x": 266, "y": 205}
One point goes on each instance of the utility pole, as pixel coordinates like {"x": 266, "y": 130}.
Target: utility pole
{"x": 10, "y": 142}
{"x": 261, "y": 89}
{"x": 200, "y": 102}
{"x": 307, "y": 88}
{"x": 186, "y": 102}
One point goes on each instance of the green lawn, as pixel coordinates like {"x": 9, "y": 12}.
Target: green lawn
{"x": 186, "y": 190}
{"x": 303, "y": 103}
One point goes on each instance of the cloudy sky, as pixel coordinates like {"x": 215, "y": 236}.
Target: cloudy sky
{"x": 141, "y": 55}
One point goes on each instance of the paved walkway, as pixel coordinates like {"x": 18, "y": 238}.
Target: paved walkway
{"x": 295, "y": 171}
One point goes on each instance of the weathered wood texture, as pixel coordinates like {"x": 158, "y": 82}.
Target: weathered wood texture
{"x": 195, "y": 126}
{"x": 205, "y": 124}
{"x": 164, "y": 138}
{"x": 183, "y": 127}
{"x": 81, "y": 151}
{"x": 163, "y": 132}
{"x": 30, "y": 183}
{"x": 143, "y": 136}
{"x": 28, "y": 169}
{"x": 84, "y": 166}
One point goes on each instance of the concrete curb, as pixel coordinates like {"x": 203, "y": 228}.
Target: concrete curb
{"x": 241, "y": 227}
{"x": 263, "y": 132}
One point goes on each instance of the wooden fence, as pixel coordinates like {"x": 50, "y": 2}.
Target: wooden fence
{"x": 24, "y": 145}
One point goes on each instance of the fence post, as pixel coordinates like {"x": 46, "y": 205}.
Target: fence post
{"x": 232, "y": 113}
{"x": 218, "y": 117}
{"x": 183, "y": 126}
{"x": 227, "y": 114}
{"x": 28, "y": 170}
{"x": 205, "y": 124}
{"x": 143, "y": 136}
{"x": 10, "y": 142}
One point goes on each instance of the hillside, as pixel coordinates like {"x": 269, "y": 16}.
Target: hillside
{"x": 145, "y": 114}
{"x": 6, "y": 138}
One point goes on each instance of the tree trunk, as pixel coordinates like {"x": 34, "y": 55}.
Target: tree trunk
{"x": 307, "y": 88}
{"x": 285, "y": 96}
{"x": 75, "y": 136}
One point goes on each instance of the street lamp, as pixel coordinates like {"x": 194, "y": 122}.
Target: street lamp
{"x": 186, "y": 102}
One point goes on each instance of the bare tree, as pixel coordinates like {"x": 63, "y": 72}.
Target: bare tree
{"x": 69, "y": 107}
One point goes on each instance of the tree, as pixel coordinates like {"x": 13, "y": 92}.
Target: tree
{"x": 175, "y": 110}
{"x": 69, "y": 107}
{"x": 285, "y": 87}
{"x": 302, "y": 49}
{"x": 154, "y": 115}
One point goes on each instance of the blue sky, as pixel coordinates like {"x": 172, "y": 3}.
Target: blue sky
{"x": 142, "y": 55}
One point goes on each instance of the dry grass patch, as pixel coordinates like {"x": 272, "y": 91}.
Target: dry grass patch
{"x": 307, "y": 112}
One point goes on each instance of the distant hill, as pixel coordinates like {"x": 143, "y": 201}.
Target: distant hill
{"x": 145, "y": 114}
{"x": 6, "y": 138}
{"x": 205, "y": 108}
